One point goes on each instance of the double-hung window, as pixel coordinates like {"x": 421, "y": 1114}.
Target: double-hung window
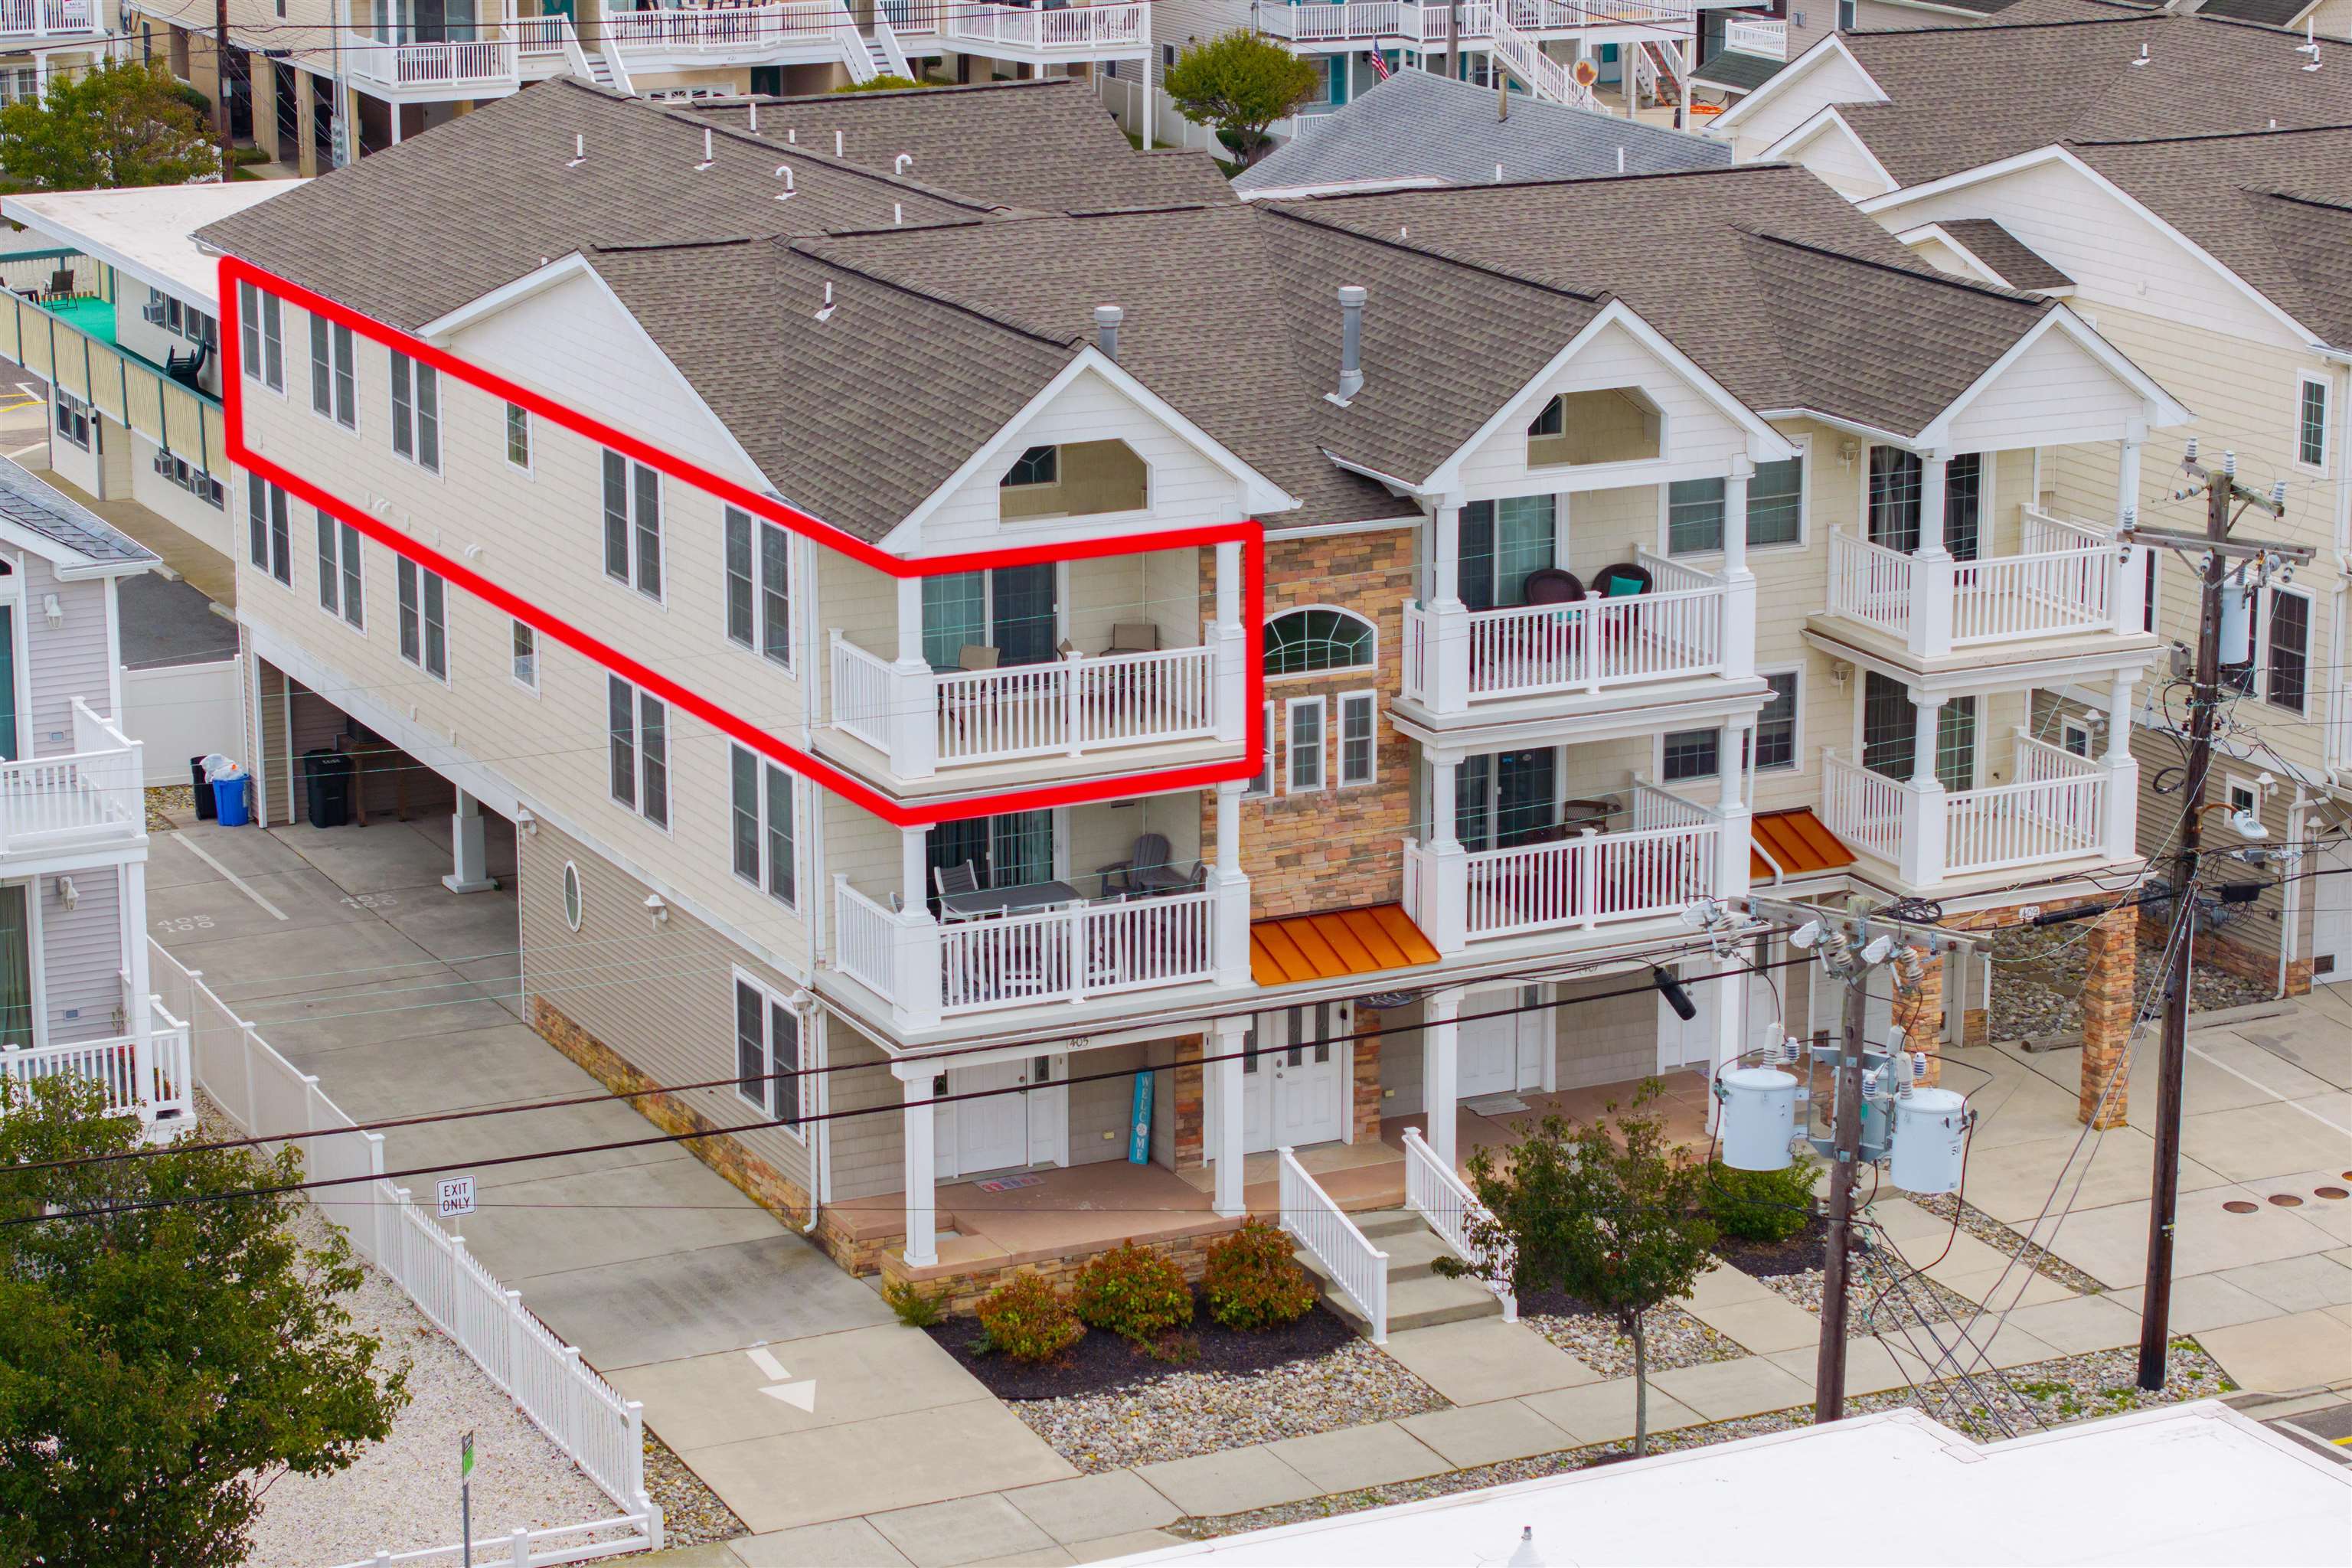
{"x": 768, "y": 1055}
{"x": 72, "y": 418}
{"x": 269, "y": 528}
{"x": 2311, "y": 422}
{"x": 2288, "y": 652}
{"x": 639, "y": 724}
{"x": 1691, "y": 754}
{"x": 632, "y": 541}
{"x": 334, "y": 378}
{"x": 1776, "y": 725}
{"x": 764, "y": 837}
{"x": 524, "y": 653}
{"x": 423, "y": 619}
{"x": 261, "y": 336}
{"x": 1304, "y": 721}
{"x": 1359, "y": 737}
{"x": 760, "y": 586}
{"x": 416, "y": 413}
{"x": 338, "y": 571}
{"x": 1688, "y": 754}
{"x": 518, "y": 436}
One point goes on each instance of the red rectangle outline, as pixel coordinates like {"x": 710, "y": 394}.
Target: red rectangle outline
{"x": 1248, "y": 532}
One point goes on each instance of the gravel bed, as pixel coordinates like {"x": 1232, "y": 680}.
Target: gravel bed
{"x": 2005, "y": 1240}
{"x": 401, "y": 1494}
{"x": 1183, "y": 1414}
{"x": 692, "y": 1514}
{"x": 166, "y": 801}
{"x": 2069, "y": 1389}
{"x": 1675, "y": 1339}
{"x": 1864, "y": 1284}
{"x": 1102, "y": 1362}
{"x": 2037, "y": 983}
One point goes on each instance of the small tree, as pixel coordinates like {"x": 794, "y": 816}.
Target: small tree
{"x": 120, "y": 123}
{"x": 1607, "y": 1211}
{"x": 1240, "y": 83}
{"x": 160, "y": 1367}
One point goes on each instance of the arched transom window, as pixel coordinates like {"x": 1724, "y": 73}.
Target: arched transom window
{"x": 1302, "y": 642}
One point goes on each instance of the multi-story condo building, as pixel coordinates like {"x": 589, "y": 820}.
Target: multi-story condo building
{"x": 2183, "y": 181}
{"x": 39, "y": 38}
{"x": 975, "y": 675}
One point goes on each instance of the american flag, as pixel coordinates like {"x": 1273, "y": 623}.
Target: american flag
{"x": 1380, "y": 66}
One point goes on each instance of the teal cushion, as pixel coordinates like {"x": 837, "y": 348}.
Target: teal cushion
{"x": 1619, "y": 587}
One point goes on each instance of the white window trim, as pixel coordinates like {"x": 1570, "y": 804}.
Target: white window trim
{"x": 2068, "y": 727}
{"x": 2263, "y": 667}
{"x": 1372, "y": 761}
{"x": 528, "y": 467}
{"x": 661, "y": 527}
{"x": 338, "y": 612}
{"x": 1268, "y": 739}
{"x": 757, "y": 647}
{"x": 1370, "y": 666}
{"x": 637, "y": 695}
{"x": 538, "y": 653}
{"x": 1658, "y": 756}
{"x": 269, "y": 570}
{"x": 804, "y": 1078}
{"x": 1804, "y": 445}
{"x": 2231, "y": 785}
{"x": 2326, "y": 386}
{"x": 759, "y": 883}
{"x": 1796, "y": 766}
{"x": 572, "y": 883}
{"x": 448, "y": 636}
{"x": 1290, "y": 784}
{"x": 309, "y": 360}
{"x": 440, "y": 415}
{"x": 256, "y": 368}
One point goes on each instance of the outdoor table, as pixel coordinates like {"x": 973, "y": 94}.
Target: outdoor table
{"x": 1022, "y": 900}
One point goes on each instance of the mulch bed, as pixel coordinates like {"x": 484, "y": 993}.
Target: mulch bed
{"x": 1101, "y": 1361}
{"x": 1764, "y": 1259}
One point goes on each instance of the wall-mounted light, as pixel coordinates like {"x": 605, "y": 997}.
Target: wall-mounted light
{"x": 69, "y": 893}
{"x": 528, "y": 823}
{"x": 657, "y": 909}
{"x": 53, "y": 610}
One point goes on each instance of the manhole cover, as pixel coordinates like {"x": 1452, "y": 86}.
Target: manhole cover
{"x": 2286, "y": 1200}
{"x": 2240, "y": 1205}
{"x": 2334, "y": 1193}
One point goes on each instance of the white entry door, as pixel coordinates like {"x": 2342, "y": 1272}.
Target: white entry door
{"x": 1295, "y": 1085}
{"x": 1500, "y": 1055}
{"x": 990, "y": 1133}
{"x": 2331, "y": 918}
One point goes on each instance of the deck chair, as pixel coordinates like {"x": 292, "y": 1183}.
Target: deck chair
{"x": 61, "y": 283}
{"x": 976, "y": 656}
{"x": 1134, "y": 637}
{"x": 955, "y": 878}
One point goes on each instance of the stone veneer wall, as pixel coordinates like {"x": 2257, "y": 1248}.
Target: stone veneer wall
{"x": 2109, "y": 1000}
{"x": 1336, "y": 848}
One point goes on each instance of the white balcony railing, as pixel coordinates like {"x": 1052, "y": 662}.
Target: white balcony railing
{"x": 542, "y": 35}
{"x": 2066, "y": 581}
{"x": 1080, "y": 951}
{"x": 729, "y": 31}
{"x": 1076, "y": 31}
{"x": 1769, "y": 39}
{"x": 44, "y": 18}
{"x": 1654, "y": 868}
{"x": 486, "y": 62}
{"x": 92, "y": 796}
{"x": 150, "y": 1080}
{"x": 1070, "y": 706}
{"x": 1409, "y": 22}
{"x": 2061, "y": 807}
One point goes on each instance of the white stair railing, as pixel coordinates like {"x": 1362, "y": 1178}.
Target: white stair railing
{"x": 887, "y": 39}
{"x": 855, "y": 55}
{"x": 1446, "y": 1202}
{"x": 1544, "y": 76}
{"x": 1358, "y": 1268}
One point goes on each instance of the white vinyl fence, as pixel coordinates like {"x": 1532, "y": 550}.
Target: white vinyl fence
{"x": 602, "y": 1433}
{"x": 183, "y": 710}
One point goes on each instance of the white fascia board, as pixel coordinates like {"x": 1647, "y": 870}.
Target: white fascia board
{"x": 538, "y": 280}
{"x": 1851, "y": 426}
{"x": 1878, "y": 205}
{"x": 207, "y": 300}
{"x": 1260, "y": 495}
{"x": 2163, "y": 409}
{"x": 1803, "y": 66}
{"x": 1764, "y": 443}
{"x": 1785, "y": 149}
{"x": 1342, "y": 187}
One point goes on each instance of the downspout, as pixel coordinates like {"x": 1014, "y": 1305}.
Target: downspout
{"x": 819, "y": 907}
{"x": 2291, "y": 914}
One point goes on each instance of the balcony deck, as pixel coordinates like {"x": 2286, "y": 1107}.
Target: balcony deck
{"x": 2056, "y": 812}
{"x": 152, "y": 1079}
{"x": 89, "y": 798}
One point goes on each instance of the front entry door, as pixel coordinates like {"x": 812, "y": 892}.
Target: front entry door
{"x": 990, "y": 1133}
{"x": 1295, "y": 1084}
{"x": 2331, "y": 917}
{"x": 1504, "y": 1054}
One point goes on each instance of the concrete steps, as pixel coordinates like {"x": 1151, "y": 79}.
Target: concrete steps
{"x": 1418, "y": 1297}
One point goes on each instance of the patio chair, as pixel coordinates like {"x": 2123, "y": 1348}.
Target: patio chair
{"x": 1145, "y": 870}
{"x": 1621, "y": 581}
{"x": 1551, "y": 585}
{"x": 188, "y": 369}
{"x": 947, "y": 880}
{"x": 1133, "y": 637}
{"x": 61, "y": 283}
{"x": 976, "y": 656}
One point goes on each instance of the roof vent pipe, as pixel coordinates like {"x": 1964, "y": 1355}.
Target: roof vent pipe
{"x": 899, "y": 165}
{"x": 755, "y": 117}
{"x": 1107, "y": 320}
{"x": 1351, "y": 340}
{"x": 836, "y": 144}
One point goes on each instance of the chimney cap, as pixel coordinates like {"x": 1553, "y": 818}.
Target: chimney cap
{"x": 1108, "y": 315}
{"x": 1352, "y": 294}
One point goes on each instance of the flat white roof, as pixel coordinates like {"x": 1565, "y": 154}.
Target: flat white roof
{"x": 2189, "y": 1484}
{"x": 143, "y": 231}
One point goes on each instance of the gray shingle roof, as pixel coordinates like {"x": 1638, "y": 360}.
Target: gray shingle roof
{"x": 1418, "y": 124}
{"x": 2020, "y": 266}
{"x": 1046, "y": 143}
{"x": 2270, "y": 13}
{"x": 1738, "y": 71}
{"x": 33, "y": 503}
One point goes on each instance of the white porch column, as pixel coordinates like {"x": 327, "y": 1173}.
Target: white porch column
{"x": 1933, "y": 580}
{"x": 1920, "y": 859}
{"x": 1439, "y": 1041}
{"x": 1232, "y": 721}
{"x": 921, "y": 1174}
{"x": 2128, "y": 470}
{"x": 2120, "y": 811}
{"x": 912, "y": 861}
{"x": 1226, "y": 1044}
{"x": 1739, "y": 583}
{"x": 138, "y": 1005}
{"x": 1230, "y": 913}
{"x": 915, "y": 970}
{"x": 1447, "y": 663}
{"x": 1444, "y": 911}
{"x": 469, "y": 872}
{"x": 1730, "y": 879}
{"x": 913, "y": 718}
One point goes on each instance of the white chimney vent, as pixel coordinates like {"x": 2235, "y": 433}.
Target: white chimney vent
{"x": 1107, "y": 320}
{"x": 1351, "y": 341}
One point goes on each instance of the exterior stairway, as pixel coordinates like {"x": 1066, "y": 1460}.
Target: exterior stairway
{"x": 1418, "y": 1297}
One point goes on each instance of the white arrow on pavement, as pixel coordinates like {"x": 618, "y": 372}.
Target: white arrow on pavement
{"x": 765, "y": 1360}
{"x": 801, "y": 1396}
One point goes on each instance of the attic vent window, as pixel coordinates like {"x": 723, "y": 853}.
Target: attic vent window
{"x": 1614, "y": 425}
{"x": 1037, "y": 465}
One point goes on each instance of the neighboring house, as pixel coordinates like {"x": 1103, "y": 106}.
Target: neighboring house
{"x": 1015, "y": 759}
{"x": 73, "y": 818}
{"x": 1420, "y": 129}
{"x": 42, "y": 38}
{"x": 2196, "y": 207}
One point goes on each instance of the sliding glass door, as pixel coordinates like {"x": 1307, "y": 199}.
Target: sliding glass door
{"x": 1013, "y": 609}
{"x": 1503, "y": 798}
{"x": 1011, "y": 850}
{"x": 16, "y": 968}
{"x": 1501, "y": 542}
{"x": 1895, "y": 485}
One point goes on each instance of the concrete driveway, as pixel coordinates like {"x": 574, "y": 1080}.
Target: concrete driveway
{"x": 351, "y": 958}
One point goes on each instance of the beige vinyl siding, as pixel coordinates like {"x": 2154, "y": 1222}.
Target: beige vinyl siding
{"x": 81, "y": 955}
{"x": 1105, "y": 1105}
{"x": 867, "y": 1128}
{"x": 1793, "y": 100}
{"x": 661, "y": 998}
{"x": 275, "y": 807}
{"x": 1608, "y": 1041}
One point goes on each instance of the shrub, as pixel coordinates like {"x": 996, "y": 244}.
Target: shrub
{"x": 1133, "y": 1293}
{"x": 1027, "y": 1319}
{"x": 1761, "y": 1205}
{"x": 1253, "y": 1283}
{"x": 914, "y": 1308}
{"x": 887, "y": 82}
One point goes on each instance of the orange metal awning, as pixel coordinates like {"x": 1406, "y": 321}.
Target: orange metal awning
{"x": 1798, "y": 844}
{"x": 1331, "y": 946}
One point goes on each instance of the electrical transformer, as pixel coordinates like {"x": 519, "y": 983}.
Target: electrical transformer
{"x": 1759, "y": 1118}
{"x": 1930, "y": 1130}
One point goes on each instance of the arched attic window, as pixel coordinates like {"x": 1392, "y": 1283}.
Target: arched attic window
{"x": 1318, "y": 638}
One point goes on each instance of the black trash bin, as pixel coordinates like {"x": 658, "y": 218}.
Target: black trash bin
{"x": 327, "y": 784}
{"x": 205, "y": 810}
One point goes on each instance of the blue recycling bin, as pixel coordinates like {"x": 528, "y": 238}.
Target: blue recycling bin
{"x": 229, "y": 798}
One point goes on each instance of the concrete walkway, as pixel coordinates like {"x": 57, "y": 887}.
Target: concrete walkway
{"x": 401, "y": 996}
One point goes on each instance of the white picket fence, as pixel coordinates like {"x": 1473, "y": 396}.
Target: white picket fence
{"x": 602, "y": 1433}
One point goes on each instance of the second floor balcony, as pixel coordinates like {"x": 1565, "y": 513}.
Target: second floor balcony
{"x": 29, "y": 19}
{"x": 1409, "y": 22}
{"x": 1042, "y": 33}
{"x": 89, "y": 798}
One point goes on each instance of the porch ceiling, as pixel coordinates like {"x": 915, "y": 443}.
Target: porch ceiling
{"x": 1332, "y": 946}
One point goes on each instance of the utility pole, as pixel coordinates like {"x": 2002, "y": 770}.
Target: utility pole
{"x": 1845, "y": 1161}
{"x": 1453, "y": 40}
{"x": 220, "y": 92}
{"x": 2223, "y": 495}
